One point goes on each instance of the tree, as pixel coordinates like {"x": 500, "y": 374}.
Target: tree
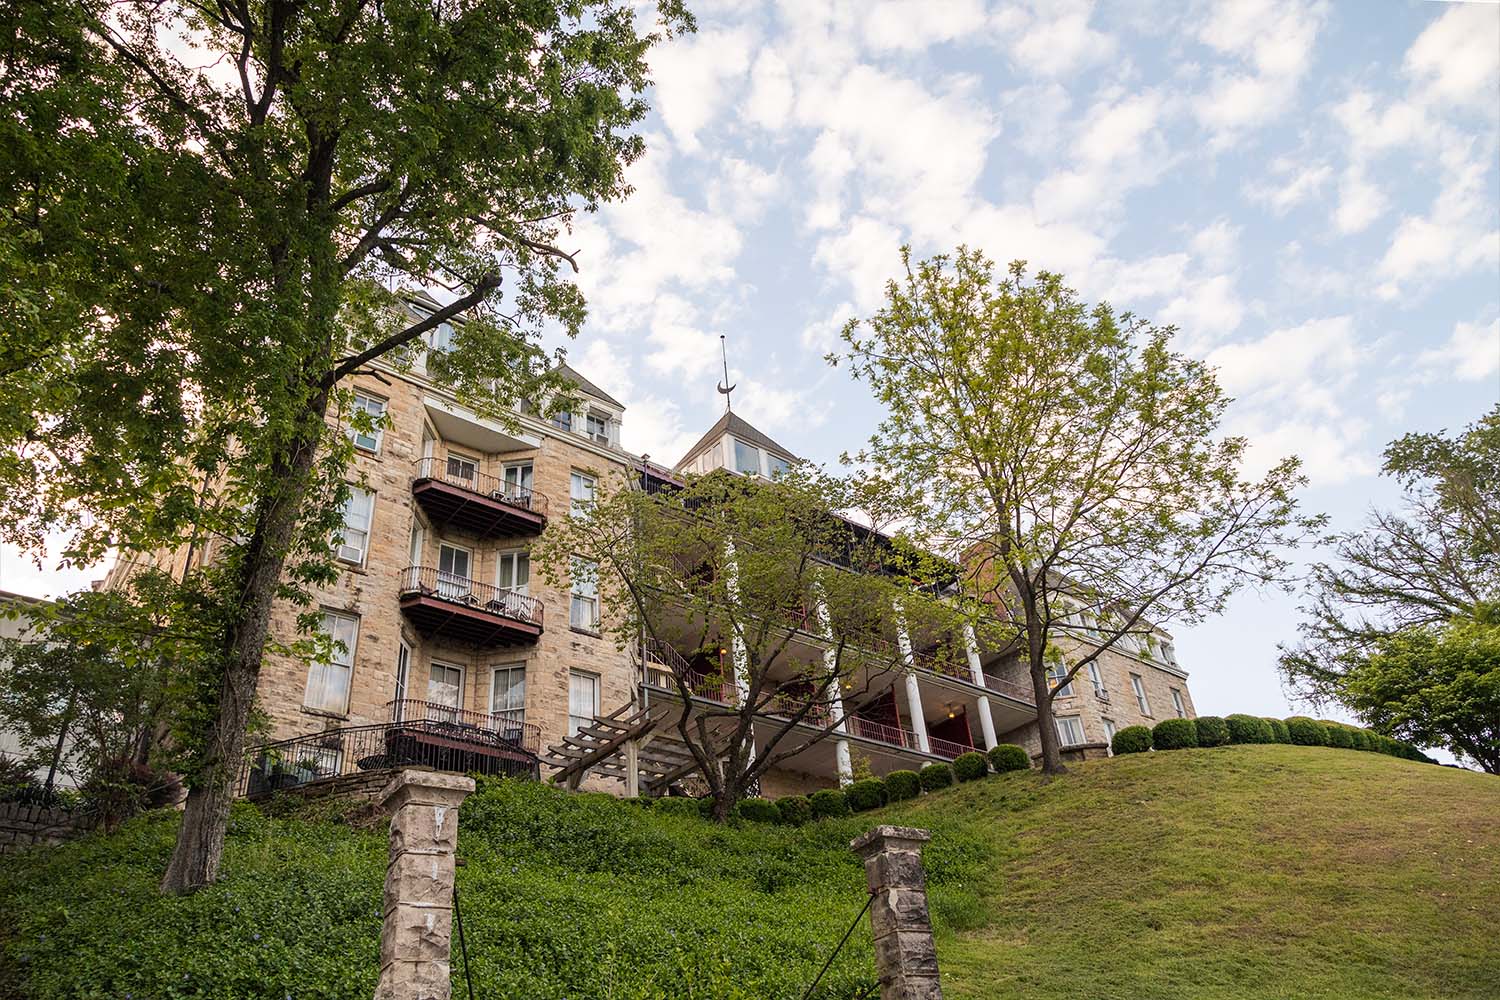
{"x": 754, "y": 602}
{"x": 1072, "y": 458}
{"x": 1423, "y": 578}
{"x": 212, "y": 213}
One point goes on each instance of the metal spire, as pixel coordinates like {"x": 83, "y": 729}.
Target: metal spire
{"x": 724, "y": 386}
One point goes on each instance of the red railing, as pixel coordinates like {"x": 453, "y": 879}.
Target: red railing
{"x": 882, "y": 732}
{"x": 946, "y": 748}
{"x": 1010, "y": 689}
{"x": 509, "y": 725}
{"x": 477, "y": 482}
{"x": 446, "y": 586}
{"x": 788, "y": 705}
{"x": 944, "y": 663}
{"x": 664, "y": 665}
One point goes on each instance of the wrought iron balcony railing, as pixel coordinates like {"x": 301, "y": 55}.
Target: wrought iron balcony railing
{"x": 465, "y": 477}
{"x": 432, "y": 582}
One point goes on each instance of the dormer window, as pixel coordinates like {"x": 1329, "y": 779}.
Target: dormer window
{"x": 597, "y": 428}
{"x": 779, "y": 466}
{"x": 746, "y": 458}
{"x": 562, "y": 420}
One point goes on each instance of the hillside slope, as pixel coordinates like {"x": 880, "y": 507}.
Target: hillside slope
{"x": 1238, "y": 872}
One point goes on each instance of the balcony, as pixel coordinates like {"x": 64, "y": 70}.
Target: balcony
{"x": 444, "y": 722}
{"x": 1010, "y": 689}
{"x": 664, "y": 665}
{"x": 473, "y": 502}
{"x": 442, "y": 605}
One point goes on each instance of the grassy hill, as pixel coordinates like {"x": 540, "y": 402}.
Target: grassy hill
{"x": 1237, "y": 872}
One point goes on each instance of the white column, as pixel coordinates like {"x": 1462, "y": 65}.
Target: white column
{"x": 982, "y": 703}
{"x": 913, "y": 692}
{"x": 835, "y": 698}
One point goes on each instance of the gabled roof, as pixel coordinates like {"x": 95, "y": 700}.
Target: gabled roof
{"x": 741, "y": 429}
{"x": 571, "y": 374}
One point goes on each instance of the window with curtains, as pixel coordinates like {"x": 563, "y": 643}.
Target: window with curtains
{"x": 374, "y": 410}
{"x": 445, "y": 685}
{"x": 1070, "y": 730}
{"x": 353, "y": 540}
{"x": 328, "y": 682}
{"x": 1139, "y": 687}
{"x": 1177, "y": 704}
{"x": 1055, "y": 674}
{"x": 583, "y": 700}
{"x": 508, "y": 696}
{"x": 583, "y": 609}
{"x": 514, "y": 572}
{"x": 1097, "y": 679}
{"x": 581, "y": 489}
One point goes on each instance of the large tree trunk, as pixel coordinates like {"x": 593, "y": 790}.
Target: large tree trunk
{"x": 200, "y": 840}
{"x": 1046, "y": 727}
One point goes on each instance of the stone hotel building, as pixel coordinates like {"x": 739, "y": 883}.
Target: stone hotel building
{"x": 452, "y": 645}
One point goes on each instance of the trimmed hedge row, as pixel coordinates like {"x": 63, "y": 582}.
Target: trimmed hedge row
{"x": 867, "y": 793}
{"x": 1212, "y": 731}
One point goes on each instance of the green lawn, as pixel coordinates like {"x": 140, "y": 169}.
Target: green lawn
{"x": 1238, "y": 872}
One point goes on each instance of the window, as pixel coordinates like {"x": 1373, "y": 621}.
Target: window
{"x": 403, "y": 667}
{"x": 718, "y": 460}
{"x": 515, "y": 572}
{"x": 582, "y": 491}
{"x": 779, "y": 465}
{"x": 353, "y": 540}
{"x": 1177, "y": 704}
{"x": 1055, "y": 675}
{"x": 1097, "y": 679}
{"x": 597, "y": 428}
{"x": 1070, "y": 730}
{"x": 1109, "y": 730}
{"x": 518, "y": 480}
{"x": 562, "y": 420}
{"x": 453, "y": 572}
{"x": 746, "y": 458}
{"x": 445, "y": 686}
{"x": 370, "y": 411}
{"x": 1140, "y": 694}
{"x": 440, "y": 337}
{"x": 462, "y": 470}
{"x": 583, "y": 700}
{"x": 583, "y": 610}
{"x": 508, "y": 698}
{"x": 328, "y": 683}
{"x": 1169, "y": 653}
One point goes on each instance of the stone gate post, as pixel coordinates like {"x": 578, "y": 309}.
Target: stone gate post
{"x": 905, "y": 956}
{"x": 418, "y": 926}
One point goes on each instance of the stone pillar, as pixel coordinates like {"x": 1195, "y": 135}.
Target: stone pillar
{"x": 418, "y": 927}
{"x": 905, "y": 956}
{"x": 976, "y": 674}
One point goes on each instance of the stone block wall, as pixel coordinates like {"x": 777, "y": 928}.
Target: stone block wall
{"x": 24, "y": 826}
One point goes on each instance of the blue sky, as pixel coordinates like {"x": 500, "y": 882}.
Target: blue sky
{"x": 1308, "y": 191}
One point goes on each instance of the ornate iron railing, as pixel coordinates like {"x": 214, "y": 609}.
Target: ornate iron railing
{"x": 510, "y": 725}
{"x": 477, "y": 482}
{"x": 432, "y": 582}
{"x": 664, "y": 664}
{"x": 333, "y": 753}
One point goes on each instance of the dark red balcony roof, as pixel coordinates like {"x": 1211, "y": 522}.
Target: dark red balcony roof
{"x": 440, "y": 604}
{"x": 476, "y": 503}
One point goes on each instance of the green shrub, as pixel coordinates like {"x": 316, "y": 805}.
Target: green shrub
{"x": 794, "y": 810}
{"x": 935, "y": 776}
{"x": 1248, "y": 729}
{"x": 865, "y": 794}
{"x": 970, "y": 766}
{"x": 1009, "y": 757}
{"x": 1278, "y": 731}
{"x": 1212, "y": 731}
{"x": 1359, "y": 739}
{"x": 678, "y": 805}
{"x": 1305, "y": 732}
{"x": 757, "y": 810}
{"x": 828, "y": 803}
{"x": 1174, "y": 734}
{"x": 901, "y": 785}
{"x": 1131, "y": 739}
{"x": 1338, "y": 735}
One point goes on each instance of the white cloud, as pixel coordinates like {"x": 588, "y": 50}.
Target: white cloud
{"x": 1217, "y": 243}
{"x": 1472, "y": 352}
{"x": 1360, "y": 202}
{"x": 770, "y": 99}
{"x": 1285, "y": 360}
{"x": 1205, "y": 310}
{"x": 911, "y": 25}
{"x": 1127, "y": 285}
{"x": 1016, "y": 232}
{"x": 822, "y": 336}
{"x": 1292, "y": 183}
{"x": 1272, "y": 40}
{"x": 1453, "y": 238}
{"x": 1456, "y": 60}
{"x": 692, "y": 79}
{"x": 681, "y": 347}
{"x": 1053, "y": 37}
{"x": 742, "y": 189}
{"x": 1331, "y": 452}
{"x": 867, "y": 254}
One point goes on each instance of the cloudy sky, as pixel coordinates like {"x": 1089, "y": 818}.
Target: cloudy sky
{"x": 1308, "y": 191}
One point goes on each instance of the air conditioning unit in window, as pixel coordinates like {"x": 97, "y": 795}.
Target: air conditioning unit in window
{"x": 348, "y": 553}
